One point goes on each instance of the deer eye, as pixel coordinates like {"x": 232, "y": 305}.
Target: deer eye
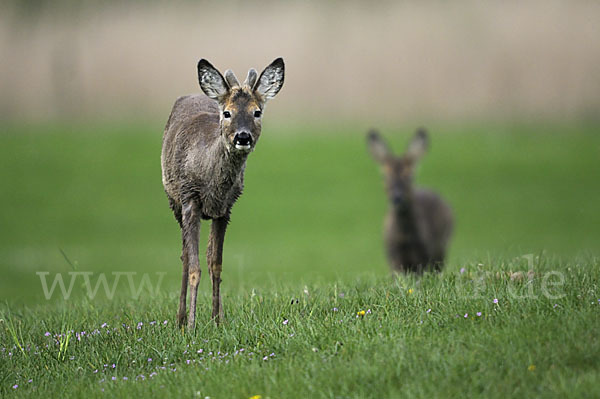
{"x": 226, "y": 114}
{"x": 257, "y": 114}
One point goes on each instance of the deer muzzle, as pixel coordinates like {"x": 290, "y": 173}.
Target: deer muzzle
{"x": 242, "y": 141}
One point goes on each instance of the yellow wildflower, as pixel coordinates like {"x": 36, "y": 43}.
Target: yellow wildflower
{"x": 410, "y": 291}
{"x": 256, "y": 397}
{"x": 360, "y": 313}
{"x": 531, "y": 367}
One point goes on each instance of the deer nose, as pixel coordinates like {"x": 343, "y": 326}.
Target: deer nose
{"x": 242, "y": 139}
{"x": 397, "y": 196}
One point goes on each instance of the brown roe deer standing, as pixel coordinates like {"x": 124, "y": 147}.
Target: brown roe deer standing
{"x": 205, "y": 145}
{"x": 419, "y": 223}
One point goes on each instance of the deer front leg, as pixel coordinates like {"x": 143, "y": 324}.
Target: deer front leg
{"x": 214, "y": 259}
{"x": 182, "y": 314}
{"x": 190, "y": 229}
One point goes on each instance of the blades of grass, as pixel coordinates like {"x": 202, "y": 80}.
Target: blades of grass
{"x": 15, "y": 333}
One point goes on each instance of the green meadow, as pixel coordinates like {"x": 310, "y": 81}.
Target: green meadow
{"x": 303, "y": 260}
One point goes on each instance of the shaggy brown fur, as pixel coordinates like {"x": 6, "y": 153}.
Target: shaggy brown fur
{"x": 205, "y": 145}
{"x": 419, "y": 223}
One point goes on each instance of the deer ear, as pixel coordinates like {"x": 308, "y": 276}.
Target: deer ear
{"x": 271, "y": 79}
{"x": 211, "y": 81}
{"x": 378, "y": 148}
{"x": 418, "y": 146}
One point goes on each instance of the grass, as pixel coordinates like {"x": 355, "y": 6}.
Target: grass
{"x": 291, "y": 341}
{"x": 305, "y": 239}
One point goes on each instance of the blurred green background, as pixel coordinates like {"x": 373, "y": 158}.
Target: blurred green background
{"x": 509, "y": 92}
{"x": 312, "y": 209}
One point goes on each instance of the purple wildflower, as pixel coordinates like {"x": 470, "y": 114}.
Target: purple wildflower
{"x": 285, "y": 322}
{"x": 200, "y": 350}
{"x": 152, "y": 323}
{"x": 114, "y": 378}
{"x": 165, "y": 322}
{"x": 114, "y": 366}
{"x": 335, "y": 309}
{"x": 428, "y": 310}
{"x": 266, "y": 358}
{"x": 495, "y": 300}
{"x": 478, "y": 314}
{"x": 149, "y": 359}
{"x": 15, "y": 386}
{"x": 125, "y": 378}
{"x": 139, "y": 325}
{"x": 103, "y": 325}
{"x": 462, "y": 270}
{"x": 466, "y": 315}
{"x": 30, "y": 381}
{"x": 47, "y": 334}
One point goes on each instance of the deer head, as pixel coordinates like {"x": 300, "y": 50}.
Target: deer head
{"x": 398, "y": 170}
{"x": 241, "y": 105}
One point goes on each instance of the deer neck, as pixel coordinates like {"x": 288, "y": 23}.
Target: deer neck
{"x": 410, "y": 229}
{"x": 228, "y": 163}
{"x": 406, "y": 217}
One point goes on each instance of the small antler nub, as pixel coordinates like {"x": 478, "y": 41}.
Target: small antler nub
{"x": 251, "y": 79}
{"x": 231, "y": 79}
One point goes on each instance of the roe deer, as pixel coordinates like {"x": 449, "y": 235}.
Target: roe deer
{"x": 419, "y": 223}
{"x": 205, "y": 145}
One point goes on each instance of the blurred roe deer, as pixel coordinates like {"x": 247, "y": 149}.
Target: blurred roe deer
{"x": 419, "y": 223}
{"x": 205, "y": 145}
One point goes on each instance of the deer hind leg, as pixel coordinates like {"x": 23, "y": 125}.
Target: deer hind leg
{"x": 214, "y": 259}
{"x": 190, "y": 229}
